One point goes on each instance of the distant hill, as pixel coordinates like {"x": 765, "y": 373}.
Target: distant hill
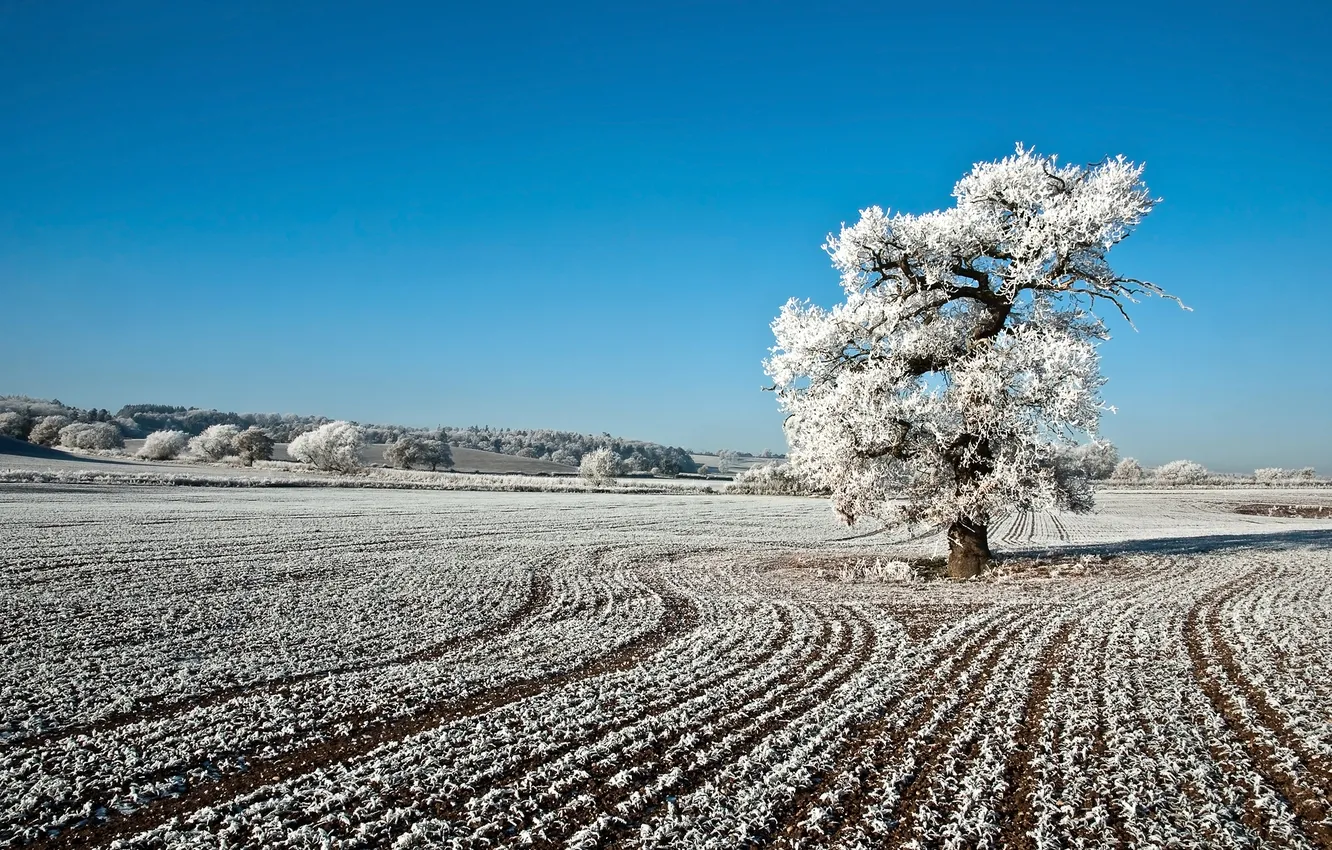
{"x": 550, "y": 450}
{"x": 22, "y": 448}
{"x": 464, "y": 460}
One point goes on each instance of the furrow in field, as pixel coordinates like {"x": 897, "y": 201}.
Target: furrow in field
{"x": 680, "y": 617}
{"x": 153, "y": 709}
{"x": 527, "y": 743}
{"x": 706, "y": 760}
{"x": 121, "y": 767}
{"x": 1299, "y": 788}
{"x": 1015, "y": 810}
{"x": 581, "y": 760}
{"x": 963, "y": 791}
{"x": 687, "y": 760}
{"x": 907, "y": 807}
{"x": 602, "y": 779}
{"x": 1276, "y": 648}
{"x": 773, "y": 793}
{"x": 1019, "y": 521}
{"x": 1060, "y": 531}
{"x": 835, "y": 792}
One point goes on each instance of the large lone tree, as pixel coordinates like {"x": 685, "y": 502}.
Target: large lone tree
{"x": 964, "y": 357}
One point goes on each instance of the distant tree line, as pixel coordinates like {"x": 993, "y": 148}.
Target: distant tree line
{"x": 138, "y": 421}
{"x": 172, "y": 431}
{"x": 569, "y": 447}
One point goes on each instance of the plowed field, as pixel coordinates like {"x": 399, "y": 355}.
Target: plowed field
{"x": 193, "y": 668}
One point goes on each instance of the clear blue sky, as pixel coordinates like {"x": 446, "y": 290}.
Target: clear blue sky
{"x": 585, "y": 216}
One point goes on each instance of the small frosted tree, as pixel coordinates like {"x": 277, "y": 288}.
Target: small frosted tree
{"x": 16, "y": 425}
{"x": 769, "y": 479}
{"x": 636, "y": 462}
{"x": 47, "y": 431}
{"x": 92, "y": 436}
{"x": 1270, "y": 474}
{"x": 1127, "y": 469}
{"x": 964, "y": 356}
{"x": 334, "y": 447}
{"x": 600, "y": 466}
{"x": 565, "y": 457}
{"x": 216, "y": 442}
{"x": 253, "y": 444}
{"x": 1180, "y": 472}
{"x": 403, "y": 452}
{"x": 437, "y": 454}
{"x": 726, "y": 460}
{"x": 164, "y": 445}
{"x": 414, "y": 450}
{"x": 1098, "y": 459}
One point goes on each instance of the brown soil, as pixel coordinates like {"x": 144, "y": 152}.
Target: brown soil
{"x": 1043, "y": 646}
{"x": 1288, "y": 511}
{"x": 1307, "y": 796}
{"x": 834, "y": 562}
{"x": 871, "y": 748}
{"x": 808, "y": 699}
{"x": 681, "y": 617}
{"x": 930, "y": 569}
{"x": 599, "y": 773}
{"x": 1014, "y": 812}
{"x": 156, "y": 708}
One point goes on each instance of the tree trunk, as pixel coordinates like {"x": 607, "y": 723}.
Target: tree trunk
{"x": 968, "y": 548}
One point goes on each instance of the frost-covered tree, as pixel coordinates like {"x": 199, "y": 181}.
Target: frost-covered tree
{"x": 1270, "y": 474}
{"x": 216, "y": 442}
{"x": 91, "y": 435}
{"x": 564, "y": 456}
{"x": 727, "y": 460}
{"x": 415, "y": 450}
{"x": 600, "y": 466}
{"x": 437, "y": 454}
{"x": 769, "y": 479}
{"x": 1097, "y": 458}
{"x": 16, "y": 425}
{"x": 964, "y": 356}
{"x": 636, "y": 462}
{"x": 403, "y": 452}
{"x": 47, "y": 431}
{"x": 334, "y": 447}
{"x": 253, "y": 444}
{"x": 1180, "y": 472}
{"x": 1127, "y": 469}
{"x": 164, "y": 445}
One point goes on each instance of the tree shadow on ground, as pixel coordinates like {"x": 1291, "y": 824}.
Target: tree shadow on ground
{"x": 1318, "y": 538}
{"x": 19, "y": 448}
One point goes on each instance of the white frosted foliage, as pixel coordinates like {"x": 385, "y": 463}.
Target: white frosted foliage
{"x": 1181, "y": 472}
{"x": 164, "y": 445}
{"x": 47, "y": 431}
{"x": 963, "y": 360}
{"x": 1127, "y": 469}
{"x": 91, "y": 435}
{"x": 216, "y": 442}
{"x": 334, "y": 447}
{"x": 600, "y": 466}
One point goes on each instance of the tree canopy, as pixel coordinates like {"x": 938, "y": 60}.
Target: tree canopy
{"x": 964, "y": 358}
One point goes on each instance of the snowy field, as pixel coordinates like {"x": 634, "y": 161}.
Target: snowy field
{"x": 476, "y": 470}
{"x": 55, "y": 459}
{"x": 204, "y": 667}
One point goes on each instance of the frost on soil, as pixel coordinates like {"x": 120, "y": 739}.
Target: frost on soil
{"x": 313, "y": 668}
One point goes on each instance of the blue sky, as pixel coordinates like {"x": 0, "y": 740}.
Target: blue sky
{"x": 584, "y": 216}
